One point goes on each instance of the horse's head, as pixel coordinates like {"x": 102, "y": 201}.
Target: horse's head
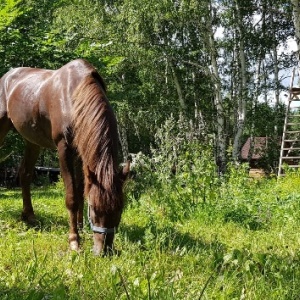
{"x": 105, "y": 207}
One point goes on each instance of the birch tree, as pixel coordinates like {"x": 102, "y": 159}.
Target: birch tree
{"x": 296, "y": 20}
{"x": 218, "y": 100}
{"x": 242, "y": 86}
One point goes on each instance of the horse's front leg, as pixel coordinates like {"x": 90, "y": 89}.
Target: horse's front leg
{"x": 25, "y": 173}
{"x": 68, "y": 172}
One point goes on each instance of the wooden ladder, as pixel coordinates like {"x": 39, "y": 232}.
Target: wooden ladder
{"x": 290, "y": 144}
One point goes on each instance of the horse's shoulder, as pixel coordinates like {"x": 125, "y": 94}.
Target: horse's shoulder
{"x": 26, "y": 71}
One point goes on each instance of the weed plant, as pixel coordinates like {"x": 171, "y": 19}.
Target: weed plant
{"x": 187, "y": 234}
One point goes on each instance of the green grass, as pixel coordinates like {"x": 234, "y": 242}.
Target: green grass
{"x": 242, "y": 243}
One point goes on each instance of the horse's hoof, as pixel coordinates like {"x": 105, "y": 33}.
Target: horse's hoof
{"x": 29, "y": 219}
{"x": 108, "y": 252}
{"x": 74, "y": 246}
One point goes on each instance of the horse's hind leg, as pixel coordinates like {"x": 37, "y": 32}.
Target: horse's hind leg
{"x": 5, "y": 126}
{"x": 26, "y": 172}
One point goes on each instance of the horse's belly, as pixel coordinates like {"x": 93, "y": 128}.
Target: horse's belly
{"x": 36, "y": 133}
{"x": 32, "y": 123}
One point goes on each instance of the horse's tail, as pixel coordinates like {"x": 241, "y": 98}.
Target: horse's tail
{"x": 96, "y": 138}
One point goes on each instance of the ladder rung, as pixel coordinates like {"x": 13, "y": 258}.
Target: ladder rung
{"x": 291, "y": 140}
{"x": 292, "y": 131}
{"x": 292, "y": 166}
{"x": 295, "y": 89}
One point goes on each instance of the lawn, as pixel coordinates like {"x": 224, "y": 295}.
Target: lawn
{"x": 237, "y": 240}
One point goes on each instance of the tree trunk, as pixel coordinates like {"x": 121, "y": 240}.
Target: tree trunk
{"x": 275, "y": 62}
{"x": 123, "y": 141}
{"x": 296, "y": 19}
{"x": 241, "y": 117}
{"x": 254, "y": 104}
{"x": 220, "y": 139}
{"x": 178, "y": 89}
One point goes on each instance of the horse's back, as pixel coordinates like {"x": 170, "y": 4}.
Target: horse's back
{"x": 39, "y": 101}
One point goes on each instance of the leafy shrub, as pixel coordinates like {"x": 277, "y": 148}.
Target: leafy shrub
{"x": 180, "y": 173}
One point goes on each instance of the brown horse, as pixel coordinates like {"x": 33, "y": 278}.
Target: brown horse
{"x": 67, "y": 109}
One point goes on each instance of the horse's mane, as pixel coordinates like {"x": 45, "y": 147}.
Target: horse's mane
{"x": 96, "y": 138}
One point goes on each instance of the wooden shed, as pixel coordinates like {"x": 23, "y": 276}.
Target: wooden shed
{"x": 259, "y": 148}
{"x": 254, "y": 154}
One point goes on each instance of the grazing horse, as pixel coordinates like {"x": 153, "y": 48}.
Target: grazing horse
{"x": 67, "y": 110}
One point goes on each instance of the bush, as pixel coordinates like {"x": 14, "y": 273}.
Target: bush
{"x": 181, "y": 180}
{"x": 180, "y": 173}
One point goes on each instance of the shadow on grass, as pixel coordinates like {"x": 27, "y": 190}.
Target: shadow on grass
{"x": 44, "y": 222}
{"x": 15, "y": 293}
{"x": 167, "y": 237}
{"x": 14, "y": 194}
{"x": 45, "y": 202}
{"x": 44, "y": 192}
{"x": 269, "y": 268}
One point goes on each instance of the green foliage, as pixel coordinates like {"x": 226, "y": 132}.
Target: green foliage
{"x": 12, "y": 150}
{"x": 8, "y": 12}
{"x": 180, "y": 169}
{"x": 142, "y": 50}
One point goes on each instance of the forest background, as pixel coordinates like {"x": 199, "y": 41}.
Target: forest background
{"x": 210, "y": 71}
